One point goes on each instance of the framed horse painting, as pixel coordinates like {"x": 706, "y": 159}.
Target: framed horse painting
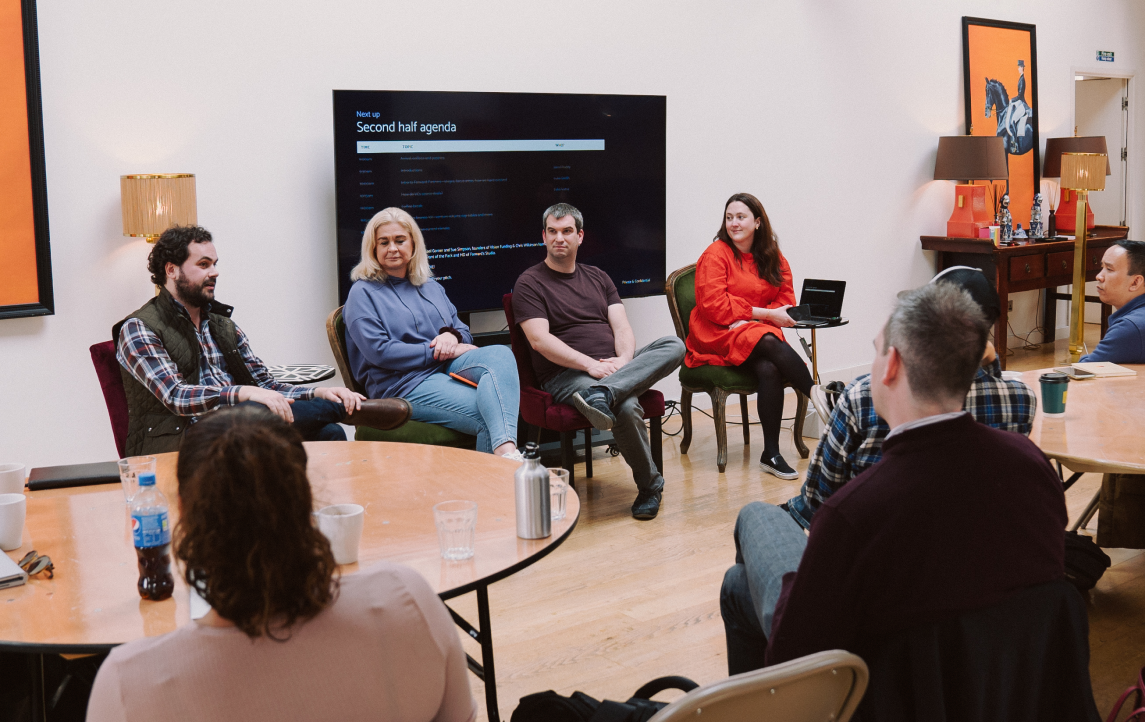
{"x": 1000, "y": 70}
{"x": 25, "y": 258}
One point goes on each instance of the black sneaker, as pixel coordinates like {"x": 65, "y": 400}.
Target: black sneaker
{"x": 647, "y": 505}
{"x": 776, "y": 466}
{"x": 593, "y": 402}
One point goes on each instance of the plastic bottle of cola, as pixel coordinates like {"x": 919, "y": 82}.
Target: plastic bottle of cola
{"x": 152, "y": 534}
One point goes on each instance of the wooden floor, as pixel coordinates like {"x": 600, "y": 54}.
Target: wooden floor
{"x": 623, "y": 601}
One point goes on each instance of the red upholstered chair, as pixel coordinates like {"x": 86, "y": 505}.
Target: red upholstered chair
{"x": 107, "y": 369}
{"x": 539, "y": 409}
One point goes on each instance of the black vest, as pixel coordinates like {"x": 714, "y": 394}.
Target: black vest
{"x": 151, "y": 428}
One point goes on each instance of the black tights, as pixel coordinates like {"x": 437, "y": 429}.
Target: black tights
{"x": 774, "y": 362}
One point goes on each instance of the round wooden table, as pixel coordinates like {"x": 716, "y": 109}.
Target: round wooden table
{"x": 1102, "y": 431}
{"x": 92, "y": 605}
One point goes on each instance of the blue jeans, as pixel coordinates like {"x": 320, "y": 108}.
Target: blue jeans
{"x": 316, "y": 419}
{"x": 769, "y": 544}
{"x": 488, "y": 412}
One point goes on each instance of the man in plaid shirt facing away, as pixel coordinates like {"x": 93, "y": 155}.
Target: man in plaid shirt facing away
{"x": 855, "y": 434}
{"x": 181, "y": 356}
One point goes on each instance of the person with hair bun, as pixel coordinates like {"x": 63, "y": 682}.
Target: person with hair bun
{"x": 404, "y": 339}
{"x": 285, "y": 639}
{"x": 743, "y": 290}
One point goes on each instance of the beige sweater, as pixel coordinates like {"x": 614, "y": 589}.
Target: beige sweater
{"x": 385, "y": 650}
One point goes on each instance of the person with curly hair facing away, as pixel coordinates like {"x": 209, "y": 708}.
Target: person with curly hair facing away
{"x": 285, "y": 639}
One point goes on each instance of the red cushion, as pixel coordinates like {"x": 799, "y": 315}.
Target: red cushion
{"x": 107, "y": 369}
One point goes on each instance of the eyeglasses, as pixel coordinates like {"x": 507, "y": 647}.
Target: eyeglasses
{"x": 34, "y": 563}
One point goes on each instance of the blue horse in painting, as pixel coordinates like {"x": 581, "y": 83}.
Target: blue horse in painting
{"x": 1015, "y": 118}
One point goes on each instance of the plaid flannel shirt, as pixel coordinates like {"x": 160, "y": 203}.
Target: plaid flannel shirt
{"x": 854, "y": 440}
{"x": 141, "y": 352}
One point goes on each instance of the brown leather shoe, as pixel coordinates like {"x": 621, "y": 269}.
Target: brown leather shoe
{"x": 384, "y": 414}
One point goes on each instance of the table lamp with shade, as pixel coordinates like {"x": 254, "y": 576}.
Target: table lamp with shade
{"x": 969, "y": 158}
{"x": 1066, "y": 211}
{"x": 1080, "y": 173}
{"x": 152, "y": 203}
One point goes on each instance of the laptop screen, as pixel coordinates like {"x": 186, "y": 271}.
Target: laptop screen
{"x": 824, "y": 297}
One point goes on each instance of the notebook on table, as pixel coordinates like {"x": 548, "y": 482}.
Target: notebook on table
{"x": 820, "y": 303}
{"x": 55, "y": 477}
{"x": 11, "y": 575}
{"x": 1104, "y": 369}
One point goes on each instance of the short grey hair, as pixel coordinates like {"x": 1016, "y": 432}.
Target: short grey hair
{"x": 560, "y": 210}
{"x": 940, "y": 333}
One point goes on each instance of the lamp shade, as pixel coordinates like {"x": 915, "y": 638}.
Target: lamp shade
{"x": 152, "y": 203}
{"x": 971, "y": 157}
{"x": 1052, "y": 168}
{"x": 1083, "y": 171}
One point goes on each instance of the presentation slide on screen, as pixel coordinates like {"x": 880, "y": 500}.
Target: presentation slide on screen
{"x": 477, "y": 170}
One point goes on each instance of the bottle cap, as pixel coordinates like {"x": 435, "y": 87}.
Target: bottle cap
{"x": 147, "y": 478}
{"x": 532, "y": 451}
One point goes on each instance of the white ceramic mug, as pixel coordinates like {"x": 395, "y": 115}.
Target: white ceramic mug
{"x": 12, "y": 478}
{"x": 13, "y": 508}
{"x": 342, "y": 525}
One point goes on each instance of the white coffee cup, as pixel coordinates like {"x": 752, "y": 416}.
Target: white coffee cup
{"x": 342, "y": 525}
{"x": 12, "y": 478}
{"x": 13, "y": 508}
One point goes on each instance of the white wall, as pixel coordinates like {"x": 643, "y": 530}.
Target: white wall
{"x": 828, "y": 111}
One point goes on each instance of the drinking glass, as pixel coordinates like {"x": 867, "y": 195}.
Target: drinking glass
{"x": 456, "y": 521}
{"x": 558, "y": 487}
{"x": 129, "y": 471}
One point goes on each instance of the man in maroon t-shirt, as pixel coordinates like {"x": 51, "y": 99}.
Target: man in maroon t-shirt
{"x": 584, "y": 352}
{"x": 956, "y": 516}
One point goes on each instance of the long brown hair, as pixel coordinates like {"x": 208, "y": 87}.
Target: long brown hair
{"x": 246, "y": 536}
{"x": 765, "y": 245}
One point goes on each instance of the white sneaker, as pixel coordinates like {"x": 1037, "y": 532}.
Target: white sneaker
{"x": 515, "y": 455}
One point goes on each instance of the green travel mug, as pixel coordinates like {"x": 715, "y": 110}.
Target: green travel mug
{"x": 1054, "y": 386}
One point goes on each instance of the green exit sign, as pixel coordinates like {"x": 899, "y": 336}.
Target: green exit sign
{"x": 1105, "y": 55}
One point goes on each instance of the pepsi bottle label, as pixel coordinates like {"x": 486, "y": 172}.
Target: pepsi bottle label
{"x": 150, "y": 530}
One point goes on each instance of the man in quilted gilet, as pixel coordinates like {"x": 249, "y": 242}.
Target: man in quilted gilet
{"x": 181, "y": 356}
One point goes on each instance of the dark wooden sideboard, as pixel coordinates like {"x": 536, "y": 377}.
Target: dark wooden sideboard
{"x": 1028, "y": 267}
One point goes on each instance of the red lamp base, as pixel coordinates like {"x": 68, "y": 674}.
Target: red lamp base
{"x": 970, "y": 213}
{"x": 1067, "y": 213}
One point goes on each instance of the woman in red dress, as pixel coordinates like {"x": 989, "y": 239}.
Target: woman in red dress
{"x": 743, "y": 290}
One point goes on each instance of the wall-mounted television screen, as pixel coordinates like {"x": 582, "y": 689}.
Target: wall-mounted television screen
{"x": 477, "y": 170}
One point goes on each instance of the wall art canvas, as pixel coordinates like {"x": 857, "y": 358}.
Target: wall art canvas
{"x": 25, "y": 258}
{"x": 1000, "y": 69}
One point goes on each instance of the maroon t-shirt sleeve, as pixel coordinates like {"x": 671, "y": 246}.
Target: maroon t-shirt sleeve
{"x": 528, "y": 299}
{"x": 611, "y": 296}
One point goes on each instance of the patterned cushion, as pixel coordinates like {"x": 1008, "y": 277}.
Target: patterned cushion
{"x": 418, "y": 432}
{"x": 707, "y": 378}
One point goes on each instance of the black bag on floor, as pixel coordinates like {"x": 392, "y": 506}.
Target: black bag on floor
{"x": 1085, "y": 562}
{"x": 579, "y": 707}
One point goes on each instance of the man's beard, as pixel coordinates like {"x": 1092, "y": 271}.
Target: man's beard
{"x": 196, "y": 296}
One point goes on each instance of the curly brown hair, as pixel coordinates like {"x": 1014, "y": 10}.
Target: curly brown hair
{"x": 765, "y": 245}
{"x": 172, "y": 248}
{"x": 246, "y": 535}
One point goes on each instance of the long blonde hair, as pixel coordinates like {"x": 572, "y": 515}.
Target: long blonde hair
{"x": 368, "y": 268}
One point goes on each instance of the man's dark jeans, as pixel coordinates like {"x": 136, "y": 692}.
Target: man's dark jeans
{"x": 317, "y": 419}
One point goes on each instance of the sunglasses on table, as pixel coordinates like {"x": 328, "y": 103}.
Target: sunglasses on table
{"x": 34, "y": 563}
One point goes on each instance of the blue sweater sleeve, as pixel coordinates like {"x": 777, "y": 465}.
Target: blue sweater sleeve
{"x": 367, "y": 331}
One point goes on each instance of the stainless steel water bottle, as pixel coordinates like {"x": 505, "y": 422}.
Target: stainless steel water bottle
{"x": 531, "y": 485}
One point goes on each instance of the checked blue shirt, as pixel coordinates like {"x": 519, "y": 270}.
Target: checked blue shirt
{"x": 854, "y": 440}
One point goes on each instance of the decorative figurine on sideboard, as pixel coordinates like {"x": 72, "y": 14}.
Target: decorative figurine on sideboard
{"x": 1036, "y": 218}
{"x": 1018, "y": 231}
{"x": 1006, "y": 221}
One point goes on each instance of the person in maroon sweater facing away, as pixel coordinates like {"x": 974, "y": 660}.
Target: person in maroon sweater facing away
{"x": 956, "y": 516}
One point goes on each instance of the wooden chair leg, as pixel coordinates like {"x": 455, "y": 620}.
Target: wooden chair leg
{"x": 744, "y": 418}
{"x": 686, "y": 419}
{"x": 537, "y": 440}
{"x": 719, "y": 414}
{"x": 568, "y": 455}
{"x": 588, "y": 453}
{"x": 657, "y": 439}
{"x": 797, "y": 427}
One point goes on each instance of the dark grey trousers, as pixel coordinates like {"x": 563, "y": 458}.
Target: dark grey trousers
{"x": 649, "y": 365}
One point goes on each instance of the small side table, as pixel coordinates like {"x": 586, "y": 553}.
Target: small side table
{"x": 301, "y": 373}
{"x": 813, "y": 351}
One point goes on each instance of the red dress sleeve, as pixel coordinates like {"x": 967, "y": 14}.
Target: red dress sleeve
{"x": 713, "y": 299}
{"x": 786, "y": 295}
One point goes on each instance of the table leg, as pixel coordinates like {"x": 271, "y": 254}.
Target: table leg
{"x": 36, "y": 673}
{"x": 1049, "y": 315}
{"x": 814, "y": 357}
{"x": 487, "y": 653}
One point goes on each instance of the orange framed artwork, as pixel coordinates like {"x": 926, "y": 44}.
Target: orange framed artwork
{"x": 25, "y": 256}
{"x": 1000, "y": 71}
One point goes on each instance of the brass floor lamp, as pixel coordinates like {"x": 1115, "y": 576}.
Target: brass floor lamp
{"x": 1081, "y": 173}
